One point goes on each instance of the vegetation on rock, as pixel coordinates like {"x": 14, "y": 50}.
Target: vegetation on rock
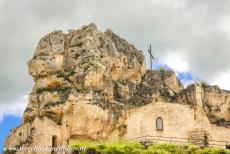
{"x": 204, "y": 84}
{"x": 125, "y": 147}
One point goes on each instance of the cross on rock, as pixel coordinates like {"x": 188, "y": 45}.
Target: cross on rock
{"x": 150, "y": 56}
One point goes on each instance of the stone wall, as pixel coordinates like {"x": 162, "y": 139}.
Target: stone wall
{"x": 38, "y": 133}
{"x": 179, "y": 121}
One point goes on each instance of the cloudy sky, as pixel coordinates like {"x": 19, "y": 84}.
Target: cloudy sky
{"x": 190, "y": 36}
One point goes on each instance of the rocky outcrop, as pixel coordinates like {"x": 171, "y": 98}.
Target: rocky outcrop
{"x": 217, "y": 105}
{"x": 85, "y": 61}
{"x": 156, "y": 85}
{"x": 91, "y": 79}
{"x": 215, "y": 102}
{"x": 90, "y": 63}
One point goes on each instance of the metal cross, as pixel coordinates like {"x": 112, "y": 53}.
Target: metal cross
{"x": 150, "y": 56}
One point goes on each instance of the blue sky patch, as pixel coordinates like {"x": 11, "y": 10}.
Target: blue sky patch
{"x": 8, "y": 123}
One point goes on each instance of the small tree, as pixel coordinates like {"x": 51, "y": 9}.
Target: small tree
{"x": 162, "y": 69}
{"x": 204, "y": 83}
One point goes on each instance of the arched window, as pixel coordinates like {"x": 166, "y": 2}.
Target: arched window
{"x": 159, "y": 124}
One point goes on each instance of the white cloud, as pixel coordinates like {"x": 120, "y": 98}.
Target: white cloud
{"x": 222, "y": 80}
{"x": 170, "y": 3}
{"x": 13, "y": 108}
{"x": 187, "y": 35}
{"x": 187, "y": 82}
{"x": 176, "y": 61}
{"x": 224, "y": 24}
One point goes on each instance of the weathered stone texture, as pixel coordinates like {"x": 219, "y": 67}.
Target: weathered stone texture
{"x": 94, "y": 85}
{"x": 215, "y": 102}
{"x": 217, "y": 105}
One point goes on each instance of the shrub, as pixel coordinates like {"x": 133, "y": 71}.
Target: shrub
{"x": 9, "y": 152}
{"x": 162, "y": 69}
{"x": 204, "y": 84}
{"x": 163, "y": 148}
{"x": 111, "y": 148}
{"x": 189, "y": 149}
{"x": 137, "y": 148}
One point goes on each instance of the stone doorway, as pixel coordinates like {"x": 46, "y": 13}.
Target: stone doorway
{"x": 54, "y": 143}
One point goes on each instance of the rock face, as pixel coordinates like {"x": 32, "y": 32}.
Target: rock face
{"x": 87, "y": 82}
{"x": 217, "y": 105}
{"x": 85, "y": 62}
{"x": 215, "y": 102}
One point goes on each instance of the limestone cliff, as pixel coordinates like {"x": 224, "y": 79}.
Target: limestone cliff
{"x": 215, "y": 102}
{"x": 86, "y": 82}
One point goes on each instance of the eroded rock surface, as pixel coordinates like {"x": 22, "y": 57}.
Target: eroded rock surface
{"x": 86, "y": 82}
{"x": 215, "y": 102}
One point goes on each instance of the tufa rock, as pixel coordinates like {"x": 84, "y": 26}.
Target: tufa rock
{"x": 86, "y": 84}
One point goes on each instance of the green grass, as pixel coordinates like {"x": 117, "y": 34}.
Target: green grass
{"x": 137, "y": 148}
